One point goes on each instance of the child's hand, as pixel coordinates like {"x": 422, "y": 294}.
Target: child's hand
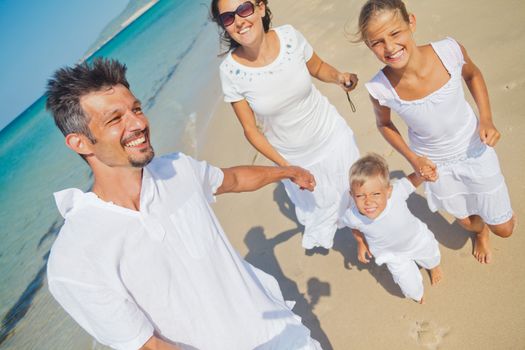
{"x": 363, "y": 253}
{"x": 347, "y": 81}
{"x": 425, "y": 168}
{"x": 488, "y": 133}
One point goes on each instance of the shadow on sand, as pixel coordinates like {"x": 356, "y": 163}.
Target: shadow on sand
{"x": 261, "y": 254}
{"x": 451, "y": 236}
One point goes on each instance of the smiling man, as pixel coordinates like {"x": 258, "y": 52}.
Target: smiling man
{"x": 141, "y": 261}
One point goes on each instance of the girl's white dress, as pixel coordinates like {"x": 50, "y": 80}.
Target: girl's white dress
{"x": 302, "y": 125}
{"x": 443, "y": 127}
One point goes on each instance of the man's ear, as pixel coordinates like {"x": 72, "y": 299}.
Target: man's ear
{"x": 79, "y": 143}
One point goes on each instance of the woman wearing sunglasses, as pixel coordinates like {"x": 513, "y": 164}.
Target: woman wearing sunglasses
{"x": 266, "y": 76}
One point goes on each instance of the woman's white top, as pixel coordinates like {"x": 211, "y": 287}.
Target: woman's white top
{"x": 396, "y": 232}
{"x": 296, "y": 118}
{"x": 441, "y": 125}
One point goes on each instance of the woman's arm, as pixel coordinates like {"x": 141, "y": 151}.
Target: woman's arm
{"x": 246, "y": 117}
{"x": 328, "y": 74}
{"x": 477, "y": 87}
{"x": 422, "y": 165}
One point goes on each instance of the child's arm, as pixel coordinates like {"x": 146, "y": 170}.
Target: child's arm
{"x": 422, "y": 165}
{"x": 363, "y": 253}
{"x": 328, "y": 74}
{"x": 477, "y": 87}
{"x": 415, "y": 179}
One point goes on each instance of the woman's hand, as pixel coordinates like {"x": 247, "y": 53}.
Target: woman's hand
{"x": 488, "y": 133}
{"x": 425, "y": 168}
{"x": 347, "y": 81}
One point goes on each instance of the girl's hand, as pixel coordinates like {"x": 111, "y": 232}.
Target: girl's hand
{"x": 425, "y": 168}
{"x": 363, "y": 253}
{"x": 488, "y": 133}
{"x": 347, "y": 81}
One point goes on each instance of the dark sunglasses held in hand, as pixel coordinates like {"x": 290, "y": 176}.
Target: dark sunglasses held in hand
{"x": 352, "y": 106}
{"x": 244, "y": 10}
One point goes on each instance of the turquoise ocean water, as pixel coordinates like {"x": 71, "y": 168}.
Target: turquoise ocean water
{"x": 171, "y": 54}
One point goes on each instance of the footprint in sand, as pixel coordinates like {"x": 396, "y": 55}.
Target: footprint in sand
{"x": 428, "y": 334}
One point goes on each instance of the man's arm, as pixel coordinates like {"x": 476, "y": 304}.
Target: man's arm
{"x": 155, "y": 343}
{"x": 251, "y": 178}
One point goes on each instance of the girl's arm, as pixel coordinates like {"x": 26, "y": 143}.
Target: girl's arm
{"x": 328, "y": 74}
{"x": 422, "y": 165}
{"x": 246, "y": 117}
{"x": 478, "y": 89}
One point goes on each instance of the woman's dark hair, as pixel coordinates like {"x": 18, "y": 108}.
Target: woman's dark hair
{"x": 225, "y": 37}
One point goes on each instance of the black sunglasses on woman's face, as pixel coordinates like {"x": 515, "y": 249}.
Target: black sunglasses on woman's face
{"x": 244, "y": 10}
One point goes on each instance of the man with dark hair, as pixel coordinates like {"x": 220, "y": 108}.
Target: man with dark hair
{"x": 141, "y": 261}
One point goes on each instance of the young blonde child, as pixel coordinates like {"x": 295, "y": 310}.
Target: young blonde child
{"x": 384, "y": 227}
{"x": 449, "y": 146}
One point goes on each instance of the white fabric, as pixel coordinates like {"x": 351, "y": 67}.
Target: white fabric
{"x": 396, "y": 237}
{"x": 473, "y": 187}
{"x": 168, "y": 268}
{"x": 406, "y": 272}
{"x": 443, "y": 127}
{"x": 302, "y": 126}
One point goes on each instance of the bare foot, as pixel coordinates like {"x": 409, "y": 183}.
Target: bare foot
{"x": 482, "y": 251}
{"x": 422, "y": 301}
{"x": 436, "y": 275}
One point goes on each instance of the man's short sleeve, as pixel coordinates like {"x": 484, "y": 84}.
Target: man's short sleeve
{"x": 209, "y": 177}
{"x": 110, "y": 318}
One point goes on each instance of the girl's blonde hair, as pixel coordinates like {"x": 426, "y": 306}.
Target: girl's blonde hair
{"x": 367, "y": 167}
{"x": 372, "y": 8}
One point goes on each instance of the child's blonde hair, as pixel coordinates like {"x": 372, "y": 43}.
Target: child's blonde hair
{"x": 373, "y": 7}
{"x": 367, "y": 167}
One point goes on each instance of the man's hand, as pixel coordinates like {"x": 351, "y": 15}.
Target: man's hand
{"x": 302, "y": 178}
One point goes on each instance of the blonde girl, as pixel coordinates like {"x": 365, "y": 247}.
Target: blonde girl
{"x": 448, "y": 145}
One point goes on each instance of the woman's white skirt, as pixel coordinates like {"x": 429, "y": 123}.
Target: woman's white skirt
{"x": 471, "y": 186}
{"x": 319, "y": 211}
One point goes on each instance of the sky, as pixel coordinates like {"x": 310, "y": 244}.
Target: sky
{"x": 39, "y": 36}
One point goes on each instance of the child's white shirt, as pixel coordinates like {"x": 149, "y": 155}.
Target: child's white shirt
{"x": 396, "y": 232}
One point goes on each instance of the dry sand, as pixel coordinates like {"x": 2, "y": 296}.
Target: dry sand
{"x": 348, "y": 305}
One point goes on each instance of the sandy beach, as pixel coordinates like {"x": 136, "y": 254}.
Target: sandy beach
{"x": 348, "y": 305}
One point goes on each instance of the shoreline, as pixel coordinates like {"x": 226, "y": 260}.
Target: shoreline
{"x": 122, "y": 27}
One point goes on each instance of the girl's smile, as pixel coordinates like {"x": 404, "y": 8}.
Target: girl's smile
{"x": 390, "y": 38}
